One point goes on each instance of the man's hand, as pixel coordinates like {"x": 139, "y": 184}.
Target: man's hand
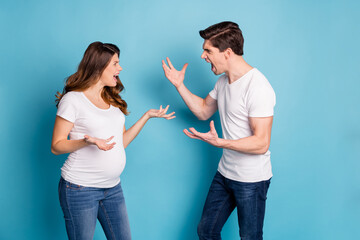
{"x": 175, "y": 77}
{"x": 102, "y": 144}
{"x": 210, "y": 137}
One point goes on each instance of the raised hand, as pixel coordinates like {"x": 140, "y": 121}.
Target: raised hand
{"x": 102, "y": 144}
{"x": 210, "y": 137}
{"x": 175, "y": 77}
{"x": 160, "y": 113}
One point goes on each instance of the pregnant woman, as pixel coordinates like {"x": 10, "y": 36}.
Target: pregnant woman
{"x": 90, "y": 126}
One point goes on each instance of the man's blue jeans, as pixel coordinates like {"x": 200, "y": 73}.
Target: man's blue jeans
{"x": 224, "y": 195}
{"x": 83, "y": 205}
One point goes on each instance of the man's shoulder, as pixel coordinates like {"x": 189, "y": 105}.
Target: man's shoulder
{"x": 222, "y": 79}
{"x": 257, "y": 74}
{"x": 258, "y": 78}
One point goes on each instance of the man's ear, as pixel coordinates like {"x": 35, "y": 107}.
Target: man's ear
{"x": 228, "y": 52}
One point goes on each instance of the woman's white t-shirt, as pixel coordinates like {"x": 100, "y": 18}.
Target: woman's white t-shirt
{"x": 90, "y": 166}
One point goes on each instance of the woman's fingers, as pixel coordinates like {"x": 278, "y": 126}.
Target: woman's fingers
{"x": 110, "y": 146}
{"x": 166, "y": 109}
{"x": 109, "y": 139}
{"x": 106, "y": 147}
{"x": 169, "y": 116}
{"x": 163, "y": 111}
{"x": 103, "y": 144}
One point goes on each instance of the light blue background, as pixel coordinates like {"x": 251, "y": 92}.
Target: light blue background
{"x": 308, "y": 50}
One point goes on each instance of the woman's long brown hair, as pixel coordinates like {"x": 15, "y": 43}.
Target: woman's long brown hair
{"x": 96, "y": 58}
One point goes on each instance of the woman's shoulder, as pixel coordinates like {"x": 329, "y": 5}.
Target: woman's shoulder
{"x": 72, "y": 98}
{"x": 71, "y": 95}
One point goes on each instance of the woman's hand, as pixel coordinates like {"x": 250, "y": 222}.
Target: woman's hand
{"x": 102, "y": 144}
{"x": 161, "y": 113}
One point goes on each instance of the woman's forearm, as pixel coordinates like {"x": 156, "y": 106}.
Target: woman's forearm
{"x": 134, "y": 130}
{"x": 67, "y": 146}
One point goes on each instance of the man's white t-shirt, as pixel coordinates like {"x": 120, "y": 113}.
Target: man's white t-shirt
{"x": 249, "y": 96}
{"x": 90, "y": 166}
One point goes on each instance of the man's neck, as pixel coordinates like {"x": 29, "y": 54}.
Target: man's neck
{"x": 237, "y": 68}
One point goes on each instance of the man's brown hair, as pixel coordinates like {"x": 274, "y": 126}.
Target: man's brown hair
{"x": 225, "y": 35}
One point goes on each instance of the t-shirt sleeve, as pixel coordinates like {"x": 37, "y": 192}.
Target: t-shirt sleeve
{"x": 213, "y": 93}
{"x": 261, "y": 100}
{"x": 67, "y": 108}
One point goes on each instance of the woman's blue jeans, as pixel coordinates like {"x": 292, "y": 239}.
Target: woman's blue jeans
{"x": 224, "y": 195}
{"x": 83, "y": 205}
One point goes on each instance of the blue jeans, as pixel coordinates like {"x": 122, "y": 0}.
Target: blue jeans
{"x": 224, "y": 195}
{"x": 83, "y": 205}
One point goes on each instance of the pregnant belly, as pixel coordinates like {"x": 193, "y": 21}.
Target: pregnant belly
{"x": 95, "y": 167}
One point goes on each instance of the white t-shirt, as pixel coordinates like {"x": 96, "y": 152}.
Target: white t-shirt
{"x": 249, "y": 96}
{"x": 90, "y": 166}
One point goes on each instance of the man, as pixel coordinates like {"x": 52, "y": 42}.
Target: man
{"x": 245, "y": 100}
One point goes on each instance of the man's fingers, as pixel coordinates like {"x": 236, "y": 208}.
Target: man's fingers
{"x": 203, "y": 136}
{"x": 189, "y": 134}
{"x": 169, "y": 62}
{"x": 194, "y": 131}
{"x": 184, "y": 67}
{"x": 165, "y": 67}
{"x": 212, "y": 127}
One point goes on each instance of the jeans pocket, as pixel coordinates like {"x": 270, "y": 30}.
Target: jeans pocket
{"x": 263, "y": 189}
{"x": 73, "y": 186}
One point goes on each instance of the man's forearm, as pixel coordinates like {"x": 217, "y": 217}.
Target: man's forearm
{"x": 194, "y": 103}
{"x": 250, "y": 145}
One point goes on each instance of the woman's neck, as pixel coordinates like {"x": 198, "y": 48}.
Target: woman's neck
{"x": 95, "y": 91}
